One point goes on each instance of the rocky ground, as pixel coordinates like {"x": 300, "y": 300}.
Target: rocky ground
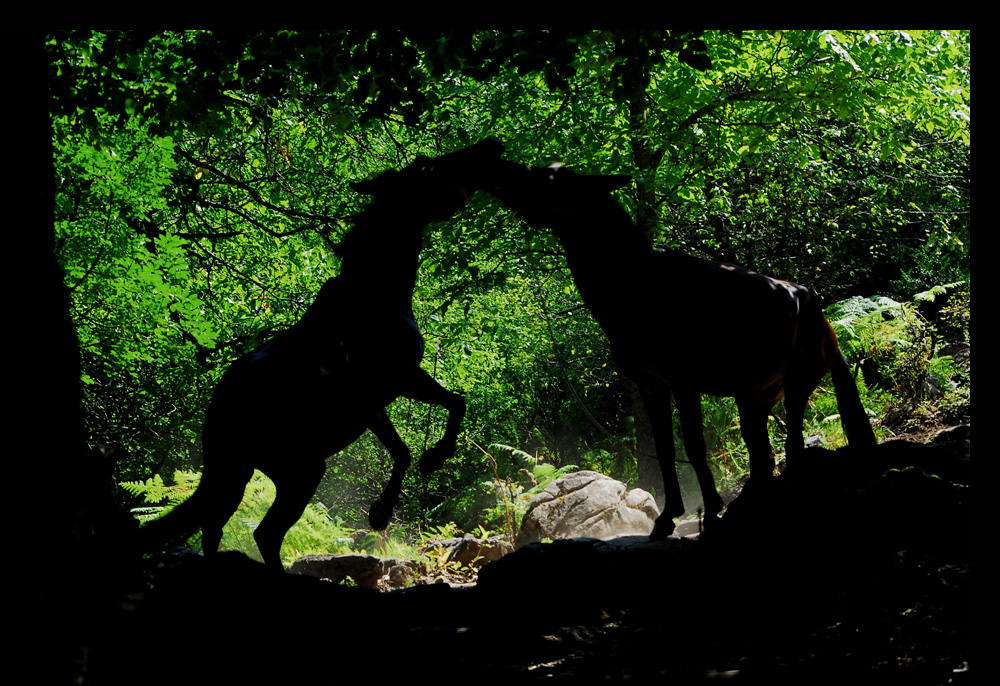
{"x": 863, "y": 576}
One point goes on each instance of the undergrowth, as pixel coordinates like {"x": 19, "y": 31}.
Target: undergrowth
{"x": 912, "y": 366}
{"x": 315, "y": 532}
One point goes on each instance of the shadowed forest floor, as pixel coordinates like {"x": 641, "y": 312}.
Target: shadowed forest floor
{"x": 866, "y": 578}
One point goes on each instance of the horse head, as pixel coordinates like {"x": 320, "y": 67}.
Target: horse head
{"x": 436, "y": 186}
{"x": 542, "y": 195}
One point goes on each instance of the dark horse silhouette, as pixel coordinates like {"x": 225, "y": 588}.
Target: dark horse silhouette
{"x": 314, "y": 389}
{"x": 683, "y": 325}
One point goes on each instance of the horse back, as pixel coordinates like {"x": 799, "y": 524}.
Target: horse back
{"x": 718, "y": 328}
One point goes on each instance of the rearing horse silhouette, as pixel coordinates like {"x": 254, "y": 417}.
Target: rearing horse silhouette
{"x": 683, "y": 325}
{"x": 314, "y": 389}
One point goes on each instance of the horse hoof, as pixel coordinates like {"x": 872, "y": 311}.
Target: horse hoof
{"x": 661, "y": 529}
{"x": 433, "y": 460}
{"x": 378, "y": 516}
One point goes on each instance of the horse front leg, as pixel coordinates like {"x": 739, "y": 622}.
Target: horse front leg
{"x": 381, "y": 510}
{"x": 424, "y": 388}
{"x": 657, "y": 403}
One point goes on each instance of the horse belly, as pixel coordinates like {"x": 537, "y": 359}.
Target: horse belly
{"x": 719, "y": 370}
{"x": 259, "y": 411}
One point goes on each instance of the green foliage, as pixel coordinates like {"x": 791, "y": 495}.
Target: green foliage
{"x": 385, "y": 544}
{"x": 201, "y": 189}
{"x": 869, "y": 327}
{"x": 514, "y": 493}
{"x": 899, "y": 342}
{"x": 153, "y": 490}
{"x": 315, "y": 532}
{"x": 442, "y": 531}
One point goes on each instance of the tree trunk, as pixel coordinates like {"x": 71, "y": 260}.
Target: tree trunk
{"x": 46, "y": 436}
{"x": 650, "y": 476}
{"x": 48, "y": 359}
{"x": 635, "y": 80}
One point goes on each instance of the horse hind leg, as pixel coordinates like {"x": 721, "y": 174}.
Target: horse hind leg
{"x": 795, "y": 412}
{"x": 222, "y": 492}
{"x": 799, "y": 385}
{"x": 753, "y": 428}
{"x": 293, "y": 489}
{"x": 852, "y": 413}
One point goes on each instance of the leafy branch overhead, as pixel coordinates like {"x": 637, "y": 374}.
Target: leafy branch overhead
{"x": 193, "y": 79}
{"x": 202, "y": 188}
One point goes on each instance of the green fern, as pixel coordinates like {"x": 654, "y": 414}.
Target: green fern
{"x": 315, "y": 532}
{"x": 847, "y": 316}
{"x": 527, "y": 457}
{"x": 154, "y": 491}
{"x": 899, "y": 341}
{"x": 934, "y": 291}
{"x": 870, "y": 327}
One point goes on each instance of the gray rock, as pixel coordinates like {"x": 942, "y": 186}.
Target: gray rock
{"x": 587, "y": 504}
{"x": 401, "y": 573}
{"x": 366, "y": 570}
{"x": 471, "y": 551}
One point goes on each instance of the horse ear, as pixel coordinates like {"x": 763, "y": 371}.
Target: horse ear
{"x": 489, "y": 147}
{"x": 374, "y": 185}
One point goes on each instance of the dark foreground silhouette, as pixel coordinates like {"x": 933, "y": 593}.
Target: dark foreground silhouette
{"x": 313, "y": 390}
{"x": 854, "y": 568}
{"x": 755, "y": 339}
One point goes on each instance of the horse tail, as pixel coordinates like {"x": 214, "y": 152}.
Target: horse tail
{"x": 852, "y": 412}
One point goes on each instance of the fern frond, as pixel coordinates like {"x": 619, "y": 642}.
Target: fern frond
{"x": 930, "y": 294}
{"x": 514, "y": 451}
{"x": 153, "y": 490}
{"x": 854, "y": 320}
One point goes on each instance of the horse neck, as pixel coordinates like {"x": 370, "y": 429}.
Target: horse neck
{"x": 382, "y": 257}
{"x": 606, "y": 253}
